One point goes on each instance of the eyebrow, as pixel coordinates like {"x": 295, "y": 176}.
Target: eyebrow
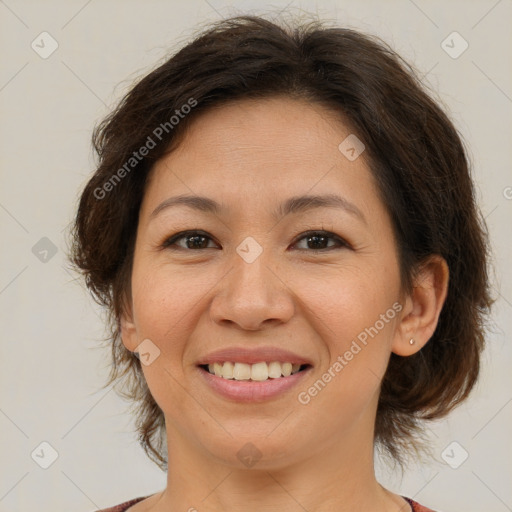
{"x": 293, "y": 205}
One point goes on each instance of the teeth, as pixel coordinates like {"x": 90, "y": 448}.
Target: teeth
{"x": 241, "y": 371}
{"x": 286, "y": 369}
{"x": 258, "y": 371}
{"x": 217, "y": 368}
{"x": 226, "y": 370}
{"x": 274, "y": 370}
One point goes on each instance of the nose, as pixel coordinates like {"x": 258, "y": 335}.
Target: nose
{"x": 252, "y": 295}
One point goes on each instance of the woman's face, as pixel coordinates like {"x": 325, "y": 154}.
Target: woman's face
{"x": 254, "y": 279}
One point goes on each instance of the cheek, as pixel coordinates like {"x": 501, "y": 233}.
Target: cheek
{"x": 164, "y": 301}
{"x": 357, "y": 327}
{"x": 356, "y": 317}
{"x": 164, "y": 313}
{"x": 350, "y": 299}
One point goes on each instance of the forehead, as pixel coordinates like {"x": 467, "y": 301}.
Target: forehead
{"x": 275, "y": 127}
{"x": 265, "y": 149}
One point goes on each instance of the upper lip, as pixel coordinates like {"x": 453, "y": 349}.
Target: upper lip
{"x": 253, "y": 355}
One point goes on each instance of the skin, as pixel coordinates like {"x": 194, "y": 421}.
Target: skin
{"x": 250, "y": 156}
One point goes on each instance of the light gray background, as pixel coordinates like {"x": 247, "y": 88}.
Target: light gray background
{"x": 51, "y": 371}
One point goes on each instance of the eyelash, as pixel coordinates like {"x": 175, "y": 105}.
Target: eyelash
{"x": 171, "y": 241}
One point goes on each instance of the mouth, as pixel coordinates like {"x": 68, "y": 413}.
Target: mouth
{"x": 256, "y": 372}
{"x": 243, "y": 374}
{"x": 239, "y": 384}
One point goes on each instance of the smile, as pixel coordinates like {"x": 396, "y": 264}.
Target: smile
{"x": 257, "y": 372}
{"x": 256, "y": 382}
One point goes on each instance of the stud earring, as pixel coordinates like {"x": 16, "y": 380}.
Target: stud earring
{"x": 412, "y": 341}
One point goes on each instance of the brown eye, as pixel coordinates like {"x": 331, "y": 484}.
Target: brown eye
{"x": 316, "y": 241}
{"x": 319, "y": 240}
{"x": 193, "y": 240}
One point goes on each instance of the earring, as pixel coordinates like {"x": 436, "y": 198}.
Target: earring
{"x": 412, "y": 341}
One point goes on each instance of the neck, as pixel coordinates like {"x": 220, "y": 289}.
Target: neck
{"x": 335, "y": 477}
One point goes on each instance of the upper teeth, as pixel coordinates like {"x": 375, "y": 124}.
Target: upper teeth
{"x": 257, "y": 371}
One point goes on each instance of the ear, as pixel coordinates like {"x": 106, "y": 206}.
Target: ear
{"x": 128, "y": 329}
{"x": 422, "y": 307}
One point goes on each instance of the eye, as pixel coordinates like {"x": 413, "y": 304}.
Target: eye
{"x": 194, "y": 240}
{"x": 317, "y": 240}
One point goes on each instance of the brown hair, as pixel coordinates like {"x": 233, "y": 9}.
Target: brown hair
{"x": 413, "y": 150}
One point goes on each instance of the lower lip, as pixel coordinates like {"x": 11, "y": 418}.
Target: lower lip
{"x": 252, "y": 391}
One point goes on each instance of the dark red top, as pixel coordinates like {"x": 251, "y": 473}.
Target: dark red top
{"x": 416, "y": 507}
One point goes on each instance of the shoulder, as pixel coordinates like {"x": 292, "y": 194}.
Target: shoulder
{"x": 416, "y": 507}
{"x": 123, "y": 506}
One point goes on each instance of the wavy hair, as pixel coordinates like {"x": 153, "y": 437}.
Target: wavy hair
{"x": 413, "y": 150}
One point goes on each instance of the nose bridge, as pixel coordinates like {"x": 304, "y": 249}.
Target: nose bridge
{"x": 252, "y": 292}
{"x": 252, "y": 276}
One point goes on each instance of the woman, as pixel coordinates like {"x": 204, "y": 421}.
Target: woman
{"x": 283, "y": 228}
